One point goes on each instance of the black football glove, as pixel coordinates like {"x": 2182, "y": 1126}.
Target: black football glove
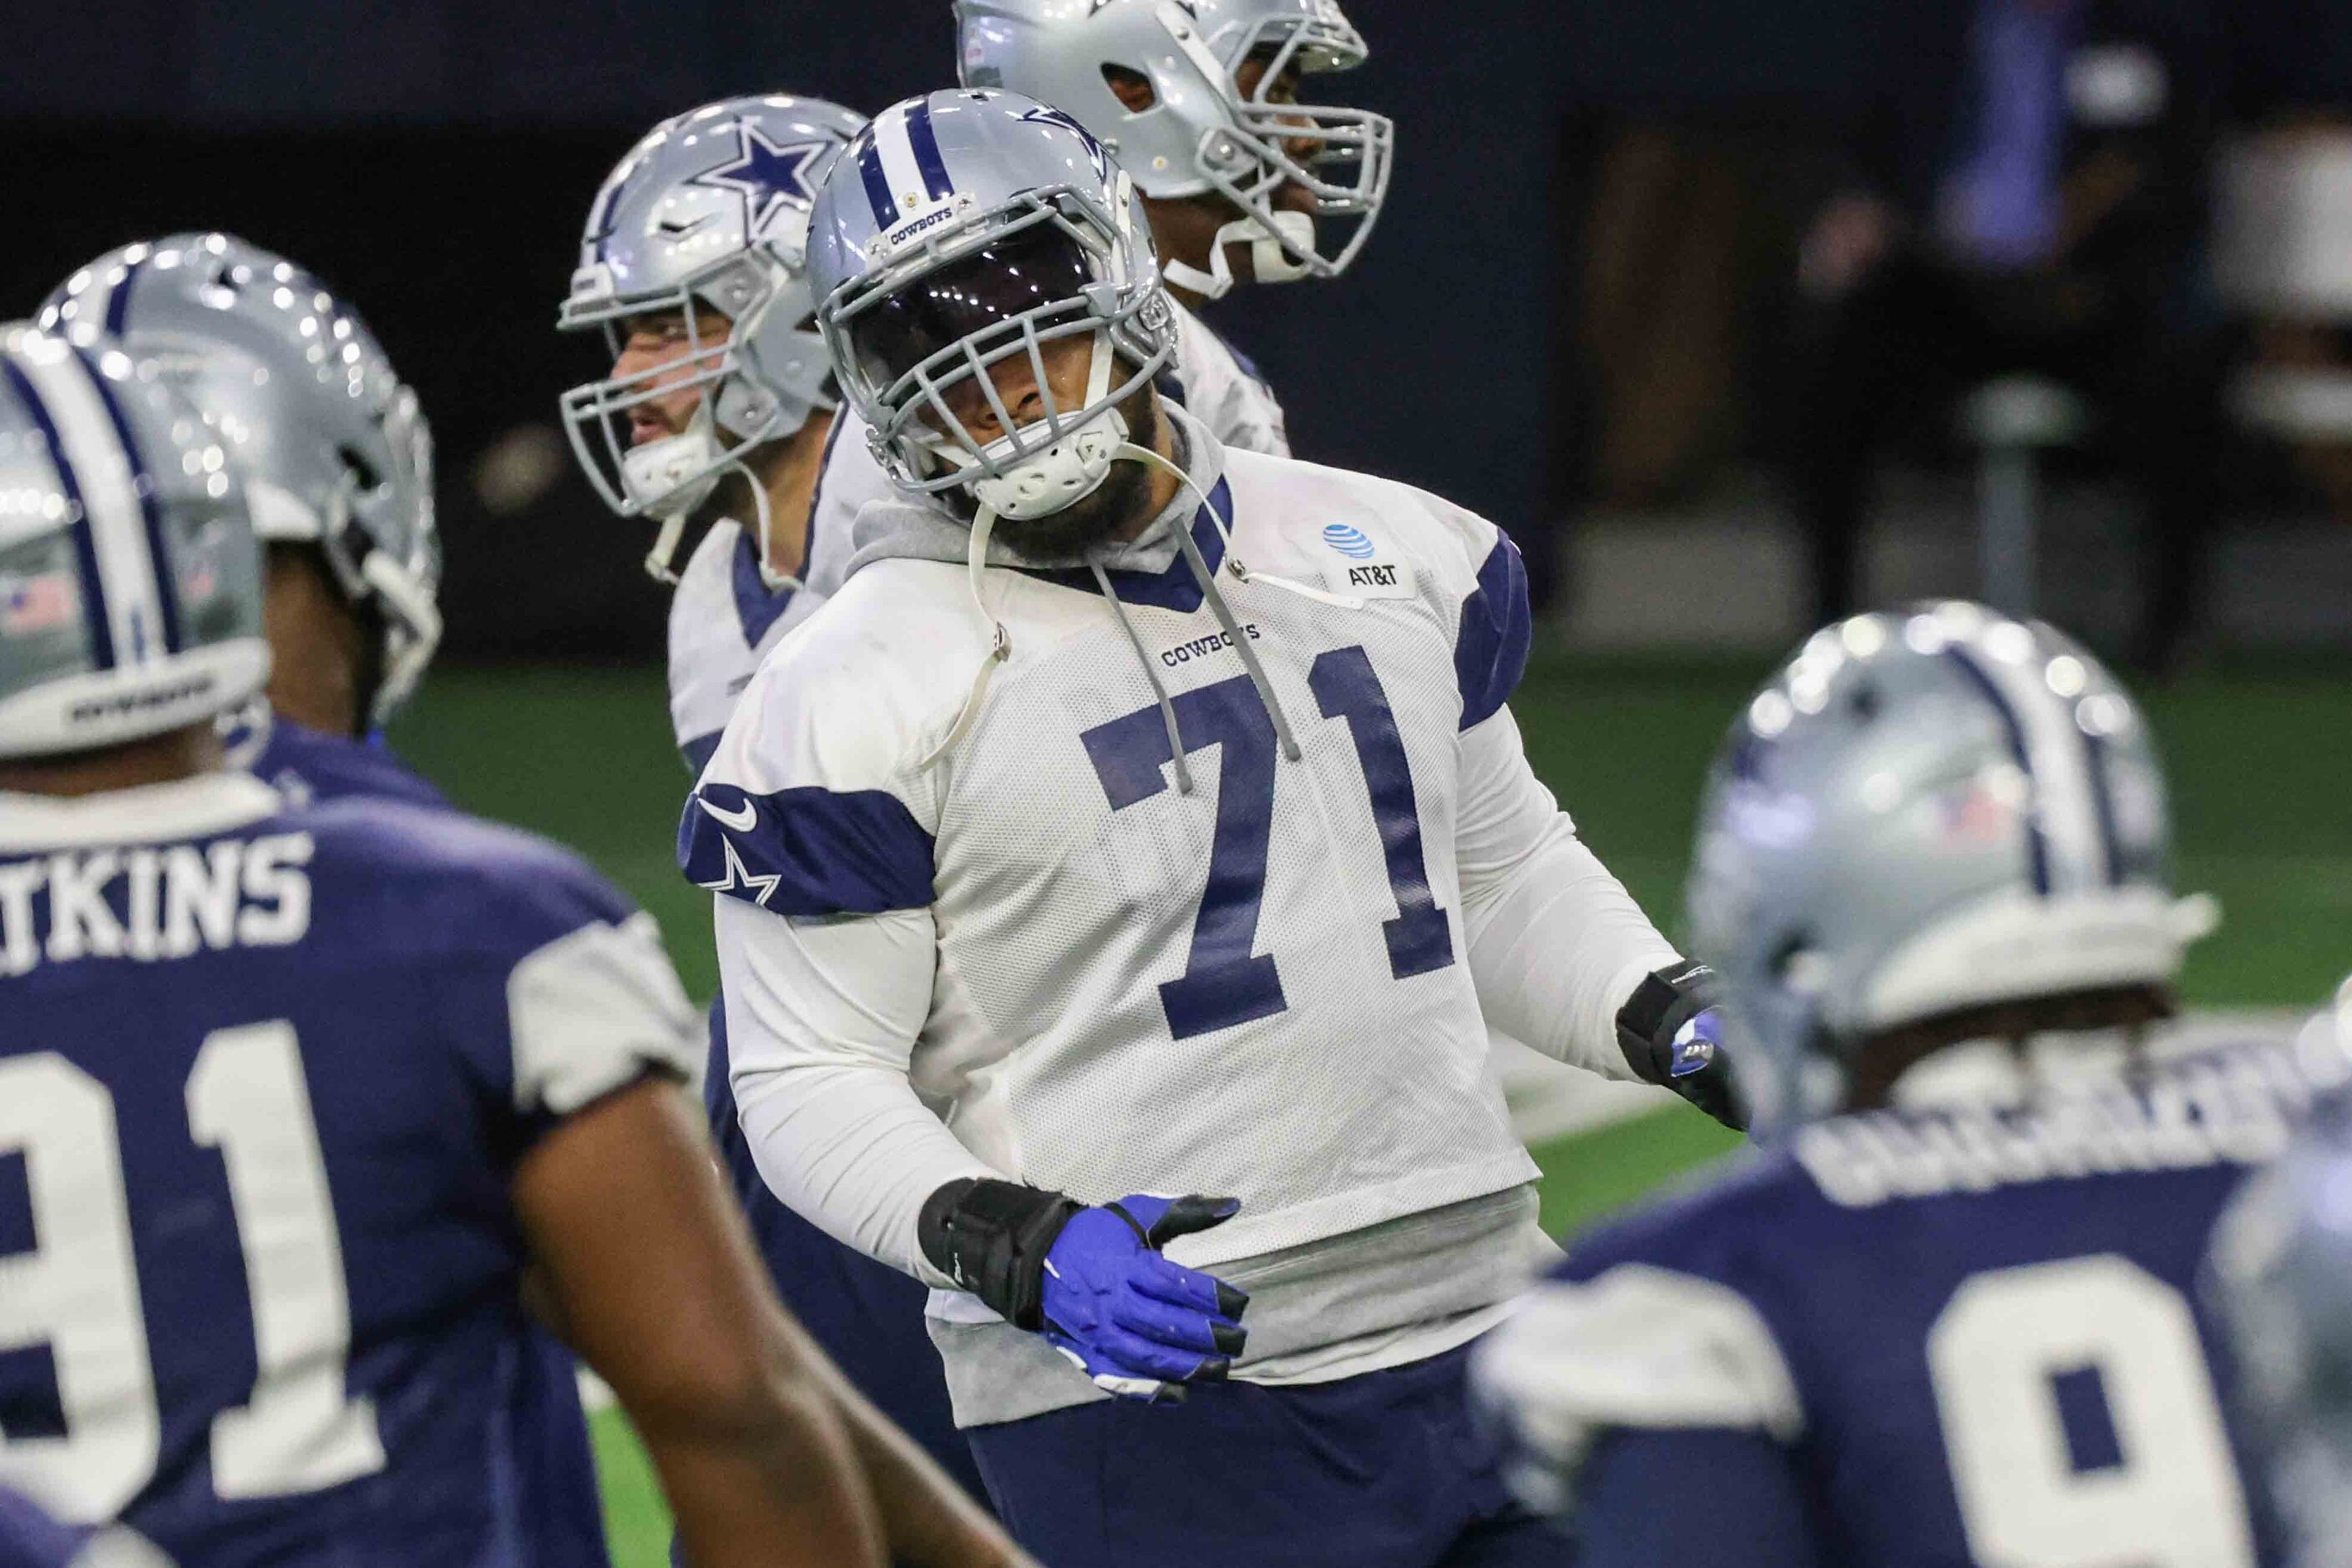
{"x": 1672, "y": 1036}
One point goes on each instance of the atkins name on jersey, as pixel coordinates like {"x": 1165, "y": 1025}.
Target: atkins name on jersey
{"x": 174, "y": 901}
{"x": 268, "y": 1075}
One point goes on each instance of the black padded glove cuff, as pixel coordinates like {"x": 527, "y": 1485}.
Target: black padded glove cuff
{"x": 990, "y": 1238}
{"x": 1660, "y": 1006}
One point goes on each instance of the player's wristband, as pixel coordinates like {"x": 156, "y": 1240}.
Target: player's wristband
{"x": 1655, "y": 1014}
{"x": 990, "y": 1238}
{"x": 1670, "y": 1035}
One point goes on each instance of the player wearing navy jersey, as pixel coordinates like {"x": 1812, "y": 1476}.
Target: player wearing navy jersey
{"x": 297, "y": 1094}
{"x": 1951, "y": 1316}
{"x": 338, "y": 452}
{"x": 338, "y": 458}
{"x": 29, "y": 1537}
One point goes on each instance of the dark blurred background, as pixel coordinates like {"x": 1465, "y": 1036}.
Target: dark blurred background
{"x": 1674, "y": 289}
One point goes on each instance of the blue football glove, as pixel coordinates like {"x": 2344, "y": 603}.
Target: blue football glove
{"x": 1140, "y": 1326}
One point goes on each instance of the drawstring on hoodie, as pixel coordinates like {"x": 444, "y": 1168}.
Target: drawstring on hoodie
{"x": 1159, "y": 691}
{"x": 983, "y": 523}
{"x": 1217, "y": 605}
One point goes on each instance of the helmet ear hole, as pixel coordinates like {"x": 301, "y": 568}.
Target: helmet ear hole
{"x": 363, "y": 473}
{"x": 1131, "y": 88}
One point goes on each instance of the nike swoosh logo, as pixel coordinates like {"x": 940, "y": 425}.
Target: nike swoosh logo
{"x": 742, "y": 821}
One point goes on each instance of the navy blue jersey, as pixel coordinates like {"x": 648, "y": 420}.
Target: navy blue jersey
{"x": 1965, "y": 1337}
{"x": 29, "y": 1537}
{"x": 555, "y": 1468}
{"x": 305, "y": 765}
{"x": 266, "y": 1075}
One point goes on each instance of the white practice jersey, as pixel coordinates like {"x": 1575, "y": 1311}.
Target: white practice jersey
{"x": 725, "y": 617}
{"x": 1056, "y": 953}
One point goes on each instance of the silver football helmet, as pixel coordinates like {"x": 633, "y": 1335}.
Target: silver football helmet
{"x": 130, "y": 580}
{"x": 333, "y": 447}
{"x": 709, "y": 216}
{"x": 2282, "y": 1272}
{"x": 963, "y": 229}
{"x": 1924, "y": 813}
{"x": 1202, "y": 133}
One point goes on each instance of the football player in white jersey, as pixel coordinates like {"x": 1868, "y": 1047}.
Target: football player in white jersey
{"x": 718, "y": 406}
{"x": 1145, "y": 817}
{"x": 1199, "y": 100}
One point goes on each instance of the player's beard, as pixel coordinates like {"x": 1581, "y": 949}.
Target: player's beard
{"x": 1114, "y": 506}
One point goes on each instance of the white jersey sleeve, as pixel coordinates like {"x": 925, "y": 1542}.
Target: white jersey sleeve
{"x": 1640, "y": 1347}
{"x": 822, "y": 1016}
{"x": 1557, "y": 945}
{"x": 591, "y": 1010}
{"x": 1222, "y": 390}
{"x": 815, "y": 817}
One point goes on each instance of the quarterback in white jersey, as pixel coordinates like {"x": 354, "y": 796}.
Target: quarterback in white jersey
{"x": 1145, "y": 817}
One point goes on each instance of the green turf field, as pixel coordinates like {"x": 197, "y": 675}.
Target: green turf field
{"x": 584, "y": 756}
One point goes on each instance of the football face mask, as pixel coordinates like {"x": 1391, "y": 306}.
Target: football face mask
{"x": 991, "y": 298}
{"x": 997, "y": 369}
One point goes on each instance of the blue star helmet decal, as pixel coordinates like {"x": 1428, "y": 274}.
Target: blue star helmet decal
{"x": 1048, "y": 116}
{"x": 765, "y": 176}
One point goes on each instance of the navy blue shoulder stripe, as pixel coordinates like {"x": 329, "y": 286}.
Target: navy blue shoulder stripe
{"x": 93, "y": 590}
{"x": 758, "y": 606}
{"x": 1490, "y": 649}
{"x": 806, "y": 851}
{"x": 142, "y": 483}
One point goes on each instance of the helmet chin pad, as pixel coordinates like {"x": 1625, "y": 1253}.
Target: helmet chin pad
{"x": 1070, "y": 467}
{"x": 661, "y": 475}
{"x": 1061, "y": 476}
{"x": 1271, "y": 259}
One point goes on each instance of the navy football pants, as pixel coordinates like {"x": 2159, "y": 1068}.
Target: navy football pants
{"x": 1385, "y": 1471}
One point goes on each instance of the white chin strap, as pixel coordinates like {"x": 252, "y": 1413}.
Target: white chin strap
{"x": 1064, "y": 473}
{"x": 1270, "y": 260}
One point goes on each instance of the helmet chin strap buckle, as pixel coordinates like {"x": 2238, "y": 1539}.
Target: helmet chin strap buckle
{"x": 1275, "y": 243}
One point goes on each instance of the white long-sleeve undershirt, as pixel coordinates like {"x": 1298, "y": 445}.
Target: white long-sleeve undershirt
{"x": 821, "y": 1019}
{"x": 1557, "y": 945}
{"x": 823, "y": 1015}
